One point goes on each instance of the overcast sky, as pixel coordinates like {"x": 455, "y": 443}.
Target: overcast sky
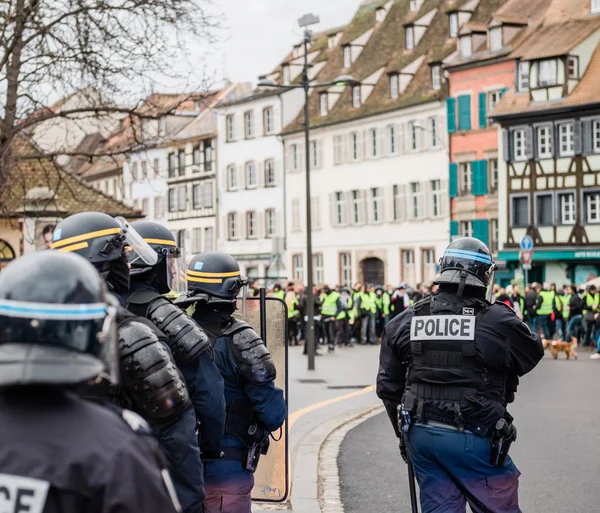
{"x": 260, "y": 33}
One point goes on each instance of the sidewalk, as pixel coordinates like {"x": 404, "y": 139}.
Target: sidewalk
{"x": 320, "y": 401}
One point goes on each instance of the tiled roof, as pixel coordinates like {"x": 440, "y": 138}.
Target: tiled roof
{"x": 564, "y": 10}
{"x": 385, "y": 50}
{"x": 64, "y": 194}
{"x": 522, "y": 11}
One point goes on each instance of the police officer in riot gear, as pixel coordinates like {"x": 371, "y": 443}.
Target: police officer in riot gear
{"x": 255, "y": 406}
{"x": 189, "y": 344}
{"x": 58, "y": 452}
{"x": 449, "y": 365}
{"x": 151, "y": 384}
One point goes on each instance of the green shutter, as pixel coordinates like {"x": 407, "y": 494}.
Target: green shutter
{"x": 453, "y": 183}
{"x": 480, "y": 181}
{"x": 464, "y": 112}
{"x": 453, "y": 228}
{"x": 481, "y": 230}
{"x": 482, "y": 110}
{"x": 451, "y": 104}
{"x": 503, "y": 92}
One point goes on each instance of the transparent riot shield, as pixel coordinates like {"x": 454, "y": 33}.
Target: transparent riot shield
{"x": 271, "y": 480}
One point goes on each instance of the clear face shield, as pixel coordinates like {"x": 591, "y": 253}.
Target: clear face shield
{"x": 140, "y": 249}
{"x": 108, "y": 351}
{"x": 491, "y": 283}
{"x": 176, "y": 270}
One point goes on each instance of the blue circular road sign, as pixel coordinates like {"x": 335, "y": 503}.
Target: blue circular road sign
{"x": 527, "y": 243}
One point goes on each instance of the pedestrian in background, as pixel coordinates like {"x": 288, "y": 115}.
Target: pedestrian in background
{"x": 344, "y": 318}
{"x": 590, "y": 307}
{"x": 400, "y": 300}
{"x": 365, "y": 305}
{"x": 543, "y": 309}
{"x": 291, "y": 300}
{"x": 531, "y": 303}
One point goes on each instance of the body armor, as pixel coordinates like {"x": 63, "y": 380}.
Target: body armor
{"x": 250, "y": 353}
{"x": 149, "y": 378}
{"x": 185, "y": 338}
{"x": 447, "y": 382}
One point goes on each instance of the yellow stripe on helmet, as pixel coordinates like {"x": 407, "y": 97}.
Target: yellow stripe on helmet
{"x": 204, "y": 280}
{"x": 166, "y": 242}
{"x": 74, "y": 247}
{"x": 214, "y": 275}
{"x": 84, "y": 236}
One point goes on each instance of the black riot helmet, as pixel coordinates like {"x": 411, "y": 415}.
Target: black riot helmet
{"x": 216, "y": 274}
{"x": 467, "y": 262}
{"x": 57, "y": 322}
{"x": 169, "y": 272}
{"x": 101, "y": 239}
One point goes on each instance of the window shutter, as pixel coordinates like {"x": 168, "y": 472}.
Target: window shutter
{"x": 241, "y": 176}
{"x": 239, "y": 128}
{"x": 428, "y": 199}
{"x": 363, "y": 207}
{"x": 483, "y": 177}
{"x": 389, "y": 203}
{"x": 241, "y": 221}
{"x": 380, "y": 142}
{"x": 475, "y": 175}
{"x": 482, "y": 110}
{"x": 348, "y": 152}
{"x": 277, "y": 171}
{"x": 577, "y": 143}
{"x": 402, "y": 210}
{"x": 451, "y": 106}
{"x": 506, "y": 153}
{"x": 369, "y": 207}
{"x": 481, "y": 230}
{"x": 453, "y": 180}
{"x": 453, "y": 228}
{"x": 445, "y": 197}
{"x": 361, "y": 146}
{"x": 400, "y": 137}
{"x": 348, "y": 208}
{"x": 464, "y": 112}
{"x": 320, "y": 154}
{"x": 302, "y": 158}
{"x": 332, "y": 212}
{"x": 529, "y": 142}
{"x": 586, "y": 137}
{"x": 225, "y": 230}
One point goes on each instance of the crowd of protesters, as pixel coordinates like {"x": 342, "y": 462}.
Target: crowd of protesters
{"x": 344, "y": 316}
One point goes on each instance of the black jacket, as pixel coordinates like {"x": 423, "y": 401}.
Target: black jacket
{"x": 85, "y": 456}
{"x": 503, "y": 343}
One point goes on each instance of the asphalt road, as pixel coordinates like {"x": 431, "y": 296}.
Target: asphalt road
{"x": 557, "y": 413}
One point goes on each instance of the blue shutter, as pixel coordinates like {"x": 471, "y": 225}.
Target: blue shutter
{"x": 453, "y": 183}
{"x": 475, "y": 177}
{"x": 503, "y": 92}
{"x": 482, "y": 110}
{"x": 451, "y": 104}
{"x": 453, "y": 228}
{"x": 480, "y": 178}
{"x": 464, "y": 112}
{"x": 481, "y": 230}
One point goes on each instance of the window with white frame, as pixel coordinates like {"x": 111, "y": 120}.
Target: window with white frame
{"x": 433, "y": 132}
{"x": 251, "y": 228}
{"x": 339, "y": 208}
{"x": 315, "y": 212}
{"x": 380, "y": 14}
{"x": 465, "y": 46}
{"x": 408, "y": 267}
{"x": 233, "y": 229}
{"x": 286, "y": 75}
{"x": 298, "y": 267}
{"x": 196, "y": 240}
{"x": 181, "y": 162}
{"x": 523, "y": 76}
{"x": 392, "y": 139}
{"x": 208, "y": 156}
{"x": 209, "y": 237}
{"x": 453, "y": 23}
{"x": 394, "y": 86}
{"x": 347, "y": 56}
{"x": 249, "y": 124}
{"x": 318, "y": 271}
{"x": 544, "y": 142}
{"x": 595, "y": 7}
{"x": 354, "y": 148}
{"x": 573, "y": 67}
{"x": 270, "y": 222}
{"x": 566, "y": 139}
{"x": 356, "y": 97}
{"x": 409, "y": 37}
{"x": 493, "y": 99}
{"x": 346, "y": 268}
{"x": 519, "y": 144}
{"x": 196, "y": 156}
{"x": 547, "y": 73}
{"x": 374, "y": 142}
{"x": 338, "y": 149}
{"x": 331, "y": 40}
{"x": 232, "y": 178}
{"x": 414, "y": 136}
{"x": 592, "y": 206}
{"x": 566, "y": 203}
{"x": 429, "y": 265}
{"x": 296, "y": 226}
{"x": 159, "y": 207}
{"x": 376, "y": 204}
{"x": 596, "y": 136}
{"x": 436, "y": 76}
{"x": 295, "y": 157}
{"x": 268, "y": 121}
{"x": 493, "y": 170}
{"x": 466, "y": 228}
{"x": 230, "y": 127}
{"x": 181, "y": 198}
{"x": 436, "y": 189}
{"x": 270, "y": 179}
{"x": 356, "y": 207}
{"x": 314, "y": 155}
{"x": 495, "y": 39}
{"x": 465, "y": 177}
{"x": 416, "y": 195}
{"x": 323, "y": 104}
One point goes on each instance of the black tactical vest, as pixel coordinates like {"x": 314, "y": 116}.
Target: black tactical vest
{"x": 447, "y": 382}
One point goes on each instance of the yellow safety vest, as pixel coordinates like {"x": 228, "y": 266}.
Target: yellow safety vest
{"x": 591, "y": 301}
{"x": 293, "y": 308}
{"x": 547, "y": 302}
{"x": 329, "y": 306}
{"x": 566, "y": 305}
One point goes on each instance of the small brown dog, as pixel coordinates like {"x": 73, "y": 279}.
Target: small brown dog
{"x": 558, "y": 346}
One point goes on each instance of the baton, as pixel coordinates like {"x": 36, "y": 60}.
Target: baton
{"x": 263, "y": 314}
{"x": 411, "y": 486}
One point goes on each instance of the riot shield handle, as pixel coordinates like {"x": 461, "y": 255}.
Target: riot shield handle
{"x": 263, "y": 314}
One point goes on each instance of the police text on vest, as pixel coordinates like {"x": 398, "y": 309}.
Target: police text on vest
{"x": 438, "y": 327}
{"x": 20, "y": 494}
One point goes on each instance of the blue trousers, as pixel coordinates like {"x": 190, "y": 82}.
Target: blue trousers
{"x": 228, "y": 487}
{"x": 542, "y": 321}
{"x": 453, "y": 469}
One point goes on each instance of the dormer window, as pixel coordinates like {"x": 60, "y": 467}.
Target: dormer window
{"x": 410, "y": 37}
{"x": 297, "y": 50}
{"x": 356, "y": 97}
{"x": 394, "y": 86}
{"x": 347, "y": 56}
{"x": 465, "y": 46}
{"x": 415, "y": 5}
{"x": 380, "y": 14}
{"x": 595, "y": 9}
{"x": 573, "y": 67}
{"x": 331, "y": 41}
{"x": 436, "y": 76}
{"x": 523, "y": 76}
{"x": 162, "y": 126}
{"x": 286, "y": 75}
{"x": 323, "y": 104}
{"x": 547, "y": 73}
{"x": 495, "y": 39}
{"x": 453, "y": 21}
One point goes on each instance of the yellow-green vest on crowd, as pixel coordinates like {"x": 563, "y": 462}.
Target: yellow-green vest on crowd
{"x": 367, "y": 302}
{"x": 329, "y": 306}
{"x": 566, "y": 305}
{"x": 350, "y": 313}
{"x": 293, "y": 308}
{"x": 280, "y": 294}
{"x": 547, "y": 302}
{"x": 591, "y": 301}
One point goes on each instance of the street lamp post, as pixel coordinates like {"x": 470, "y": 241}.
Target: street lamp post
{"x": 306, "y": 85}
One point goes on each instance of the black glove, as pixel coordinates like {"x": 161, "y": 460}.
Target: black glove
{"x": 403, "y": 452}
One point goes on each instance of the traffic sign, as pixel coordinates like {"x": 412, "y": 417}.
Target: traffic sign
{"x": 526, "y": 257}
{"x": 526, "y": 243}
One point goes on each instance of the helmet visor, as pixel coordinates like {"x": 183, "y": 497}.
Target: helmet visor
{"x": 177, "y": 271}
{"x": 140, "y": 249}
